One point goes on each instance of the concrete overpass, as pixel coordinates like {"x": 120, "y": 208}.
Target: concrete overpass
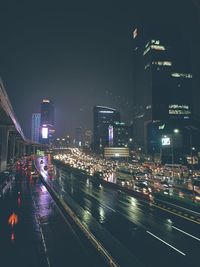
{"x": 13, "y": 143}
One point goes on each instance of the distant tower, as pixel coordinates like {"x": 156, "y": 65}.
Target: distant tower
{"x": 47, "y": 121}
{"x": 103, "y": 117}
{"x": 78, "y": 137}
{"x": 88, "y": 138}
{"x": 35, "y": 127}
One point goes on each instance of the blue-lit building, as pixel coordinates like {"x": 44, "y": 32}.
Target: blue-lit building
{"x": 35, "y": 127}
{"x": 103, "y": 118}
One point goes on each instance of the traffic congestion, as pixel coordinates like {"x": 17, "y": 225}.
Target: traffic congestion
{"x": 147, "y": 178}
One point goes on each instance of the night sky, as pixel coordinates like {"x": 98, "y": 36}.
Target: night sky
{"x": 80, "y": 55}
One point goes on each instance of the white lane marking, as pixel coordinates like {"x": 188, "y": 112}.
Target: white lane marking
{"x": 105, "y": 206}
{"x": 186, "y": 233}
{"x": 166, "y": 243}
{"x": 101, "y": 204}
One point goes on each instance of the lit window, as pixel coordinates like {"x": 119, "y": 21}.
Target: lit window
{"x": 146, "y": 51}
{"x": 176, "y": 109}
{"x": 155, "y": 42}
{"x": 158, "y": 47}
{"x": 147, "y": 45}
{"x": 148, "y": 107}
{"x": 147, "y": 65}
{"x": 162, "y": 63}
{"x": 155, "y": 46}
{"x": 181, "y": 75}
{"x": 135, "y": 33}
{"x": 175, "y": 106}
{"x": 179, "y": 112}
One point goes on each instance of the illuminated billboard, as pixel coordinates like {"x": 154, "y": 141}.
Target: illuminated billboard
{"x": 116, "y": 152}
{"x": 44, "y": 132}
{"x": 166, "y": 141}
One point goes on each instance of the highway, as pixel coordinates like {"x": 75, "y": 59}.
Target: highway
{"x": 133, "y": 231}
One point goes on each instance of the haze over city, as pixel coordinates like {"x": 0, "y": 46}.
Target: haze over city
{"x": 100, "y": 133}
{"x": 80, "y": 55}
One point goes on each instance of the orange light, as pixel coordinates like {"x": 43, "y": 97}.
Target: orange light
{"x": 13, "y": 219}
{"x": 13, "y": 237}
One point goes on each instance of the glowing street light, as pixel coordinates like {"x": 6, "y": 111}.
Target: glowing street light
{"x": 176, "y": 130}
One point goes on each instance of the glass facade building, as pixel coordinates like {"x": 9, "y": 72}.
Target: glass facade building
{"x": 162, "y": 85}
{"x": 103, "y": 117}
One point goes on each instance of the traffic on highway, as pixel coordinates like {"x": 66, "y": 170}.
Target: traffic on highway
{"x": 145, "y": 178}
{"x": 134, "y": 231}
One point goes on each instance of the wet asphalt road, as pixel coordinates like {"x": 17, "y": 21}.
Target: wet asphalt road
{"x": 134, "y": 232}
{"x": 42, "y": 237}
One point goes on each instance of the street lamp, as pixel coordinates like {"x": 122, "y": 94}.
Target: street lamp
{"x": 192, "y": 159}
{"x": 176, "y": 131}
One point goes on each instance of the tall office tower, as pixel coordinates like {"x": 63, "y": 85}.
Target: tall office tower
{"x": 88, "y": 138}
{"x": 162, "y": 85}
{"x": 47, "y": 121}
{"x": 78, "y": 137}
{"x": 122, "y": 135}
{"x": 103, "y": 118}
{"x": 35, "y": 127}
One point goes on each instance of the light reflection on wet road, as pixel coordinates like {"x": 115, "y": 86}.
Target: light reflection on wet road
{"x": 40, "y": 227}
{"x": 133, "y": 227}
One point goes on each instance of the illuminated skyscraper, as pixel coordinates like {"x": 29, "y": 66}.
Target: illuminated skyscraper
{"x": 35, "y": 127}
{"x": 103, "y": 117}
{"x": 47, "y": 121}
{"x": 162, "y": 85}
{"x": 122, "y": 134}
{"x": 47, "y": 112}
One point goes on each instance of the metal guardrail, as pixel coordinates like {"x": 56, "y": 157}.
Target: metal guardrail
{"x": 178, "y": 206}
{"x": 88, "y": 234}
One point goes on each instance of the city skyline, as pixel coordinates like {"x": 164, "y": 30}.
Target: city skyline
{"x": 100, "y": 133}
{"x": 68, "y": 61}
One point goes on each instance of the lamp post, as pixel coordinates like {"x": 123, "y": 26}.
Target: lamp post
{"x": 176, "y": 131}
{"x": 192, "y": 162}
{"x": 191, "y": 153}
